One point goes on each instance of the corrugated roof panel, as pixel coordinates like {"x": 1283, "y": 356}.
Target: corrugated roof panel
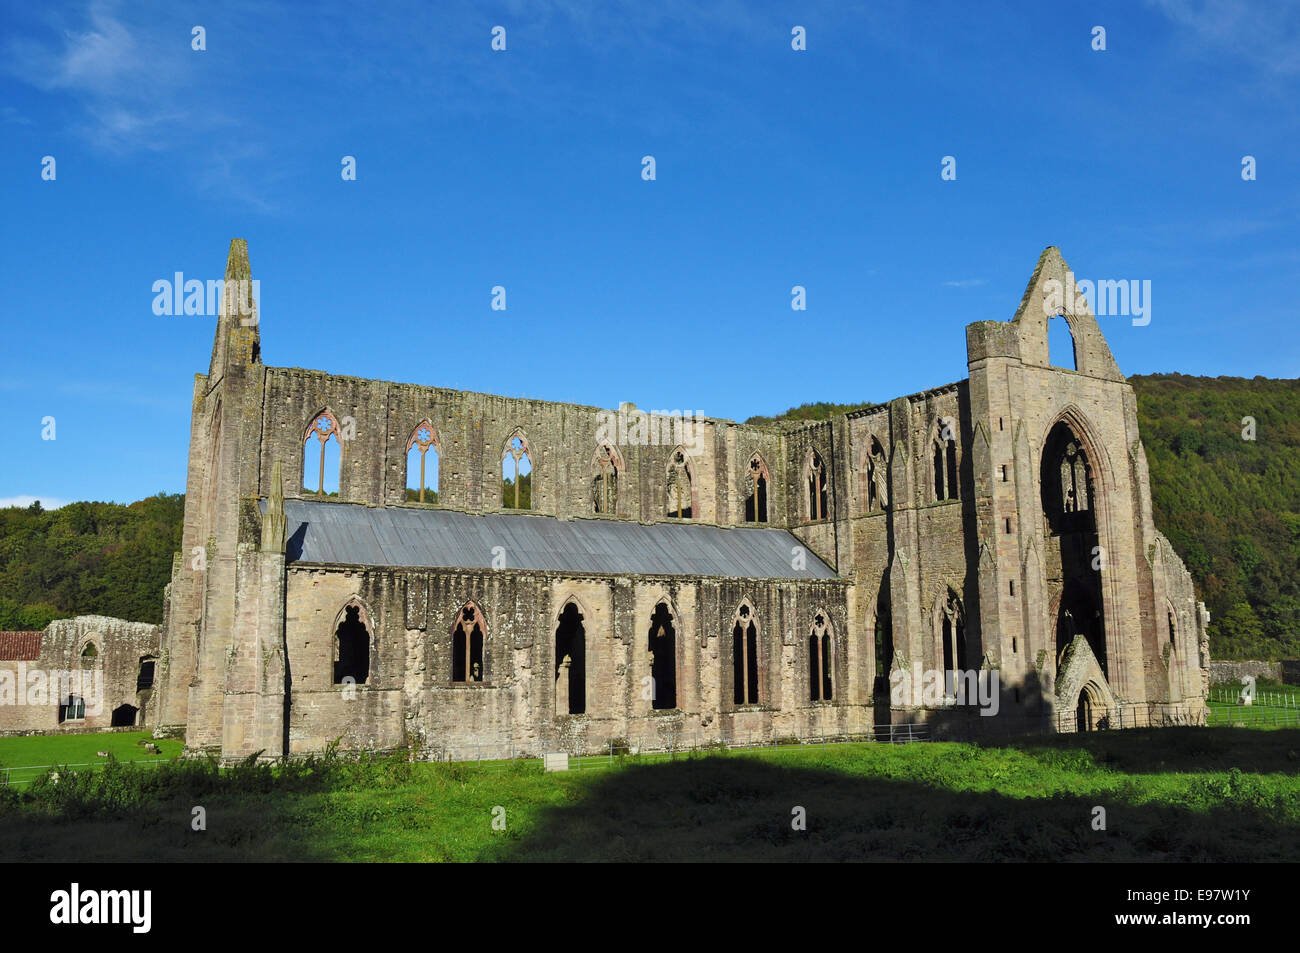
{"x": 351, "y": 534}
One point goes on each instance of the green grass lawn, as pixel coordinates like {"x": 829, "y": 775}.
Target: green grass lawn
{"x": 1265, "y": 693}
{"x": 26, "y": 757}
{"x": 1177, "y": 794}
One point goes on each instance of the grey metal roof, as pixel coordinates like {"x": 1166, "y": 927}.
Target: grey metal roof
{"x": 352, "y": 534}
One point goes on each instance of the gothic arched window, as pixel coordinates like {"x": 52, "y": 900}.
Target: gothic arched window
{"x": 679, "y": 486}
{"x": 820, "y": 651}
{"x": 944, "y": 466}
{"x": 952, "y": 626}
{"x": 877, "y": 478}
{"x": 422, "y": 464}
{"x": 467, "y": 638}
{"x": 757, "y": 481}
{"x": 744, "y": 656}
{"x": 816, "y": 481}
{"x": 1069, "y": 500}
{"x": 604, "y": 480}
{"x": 570, "y": 662}
{"x": 663, "y": 659}
{"x": 326, "y": 445}
{"x": 351, "y": 647}
{"x": 517, "y": 474}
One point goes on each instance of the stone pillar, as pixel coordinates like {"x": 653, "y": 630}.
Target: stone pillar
{"x": 562, "y": 687}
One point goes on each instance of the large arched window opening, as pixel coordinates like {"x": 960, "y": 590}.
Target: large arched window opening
{"x": 680, "y": 486}
{"x": 816, "y": 483}
{"x": 757, "y": 482}
{"x": 422, "y": 464}
{"x": 322, "y": 456}
{"x": 744, "y": 656}
{"x": 517, "y": 474}
{"x": 351, "y": 647}
{"x": 1068, "y": 492}
{"x": 1069, "y": 499}
{"x": 570, "y": 662}
{"x": 606, "y": 466}
{"x": 468, "y": 635}
{"x": 663, "y": 659}
{"x": 820, "y": 655}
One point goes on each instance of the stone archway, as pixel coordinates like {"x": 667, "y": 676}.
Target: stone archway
{"x": 1090, "y": 712}
{"x": 1083, "y": 694}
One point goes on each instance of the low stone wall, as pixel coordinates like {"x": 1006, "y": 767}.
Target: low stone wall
{"x": 1231, "y": 673}
{"x": 29, "y": 732}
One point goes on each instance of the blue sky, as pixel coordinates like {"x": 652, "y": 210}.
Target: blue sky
{"x": 522, "y": 168}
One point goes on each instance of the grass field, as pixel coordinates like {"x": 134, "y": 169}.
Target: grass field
{"x": 1266, "y": 694}
{"x": 24, "y": 759}
{"x": 1179, "y": 794}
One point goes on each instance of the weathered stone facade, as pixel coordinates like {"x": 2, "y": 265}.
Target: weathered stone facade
{"x": 81, "y": 674}
{"x": 998, "y": 524}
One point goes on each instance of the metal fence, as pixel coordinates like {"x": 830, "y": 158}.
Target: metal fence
{"x": 1253, "y": 716}
{"x": 1261, "y": 698}
{"x": 26, "y": 774}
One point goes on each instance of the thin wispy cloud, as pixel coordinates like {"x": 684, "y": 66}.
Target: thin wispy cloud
{"x": 128, "y": 84}
{"x": 966, "y": 283}
{"x": 1265, "y": 34}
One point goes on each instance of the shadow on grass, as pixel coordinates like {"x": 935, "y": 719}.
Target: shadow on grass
{"x": 726, "y": 807}
{"x": 741, "y": 809}
{"x": 127, "y": 813}
{"x": 1188, "y": 750}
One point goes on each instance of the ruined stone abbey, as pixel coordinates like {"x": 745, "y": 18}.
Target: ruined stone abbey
{"x": 403, "y": 565}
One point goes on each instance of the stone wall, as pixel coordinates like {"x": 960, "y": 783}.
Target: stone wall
{"x": 933, "y": 517}
{"x": 410, "y": 697}
{"x": 1231, "y": 673}
{"x": 96, "y": 658}
{"x": 471, "y": 433}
